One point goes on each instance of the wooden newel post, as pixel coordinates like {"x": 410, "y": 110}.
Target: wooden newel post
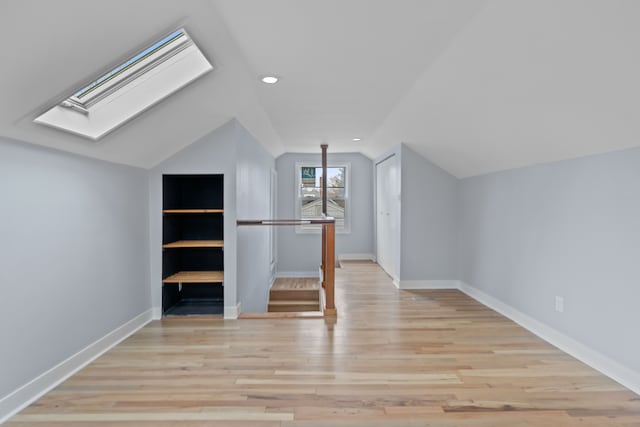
{"x": 323, "y": 264}
{"x": 328, "y": 245}
{"x": 329, "y": 271}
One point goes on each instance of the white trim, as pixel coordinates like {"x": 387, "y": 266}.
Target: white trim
{"x": 607, "y": 366}
{"x": 156, "y": 313}
{"x": 426, "y": 284}
{"x": 296, "y": 274}
{"x": 614, "y": 370}
{"x": 356, "y": 257}
{"x": 19, "y": 399}
{"x": 232, "y": 312}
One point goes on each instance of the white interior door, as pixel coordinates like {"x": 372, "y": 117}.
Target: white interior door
{"x": 387, "y": 215}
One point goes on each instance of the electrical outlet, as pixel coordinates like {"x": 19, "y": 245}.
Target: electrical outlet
{"x": 559, "y": 304}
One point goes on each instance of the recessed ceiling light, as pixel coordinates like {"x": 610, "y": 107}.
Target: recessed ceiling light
{"x": 356, "y": 139}
{"x": 270, "y": 80}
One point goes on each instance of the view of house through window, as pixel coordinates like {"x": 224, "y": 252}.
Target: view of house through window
{"x": 310, "y": 192}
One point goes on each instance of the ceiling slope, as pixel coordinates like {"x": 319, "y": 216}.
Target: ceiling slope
{"x": 53, "y": 48}
{"x": 526, "y": 82}
{"x": 475, "y": 86}
{"x": 344, "y": 64}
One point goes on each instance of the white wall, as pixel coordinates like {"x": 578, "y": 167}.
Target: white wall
{"x": 569, "y": 229}
{"x": 215, "y": 153}
{"x": 428, "y": 224}
{"x": 253, "y": 180}
{"x": 298, "y": 252}
{"x": 73, "y": 259}
{"x": 232, "y": 151}
{"x": 428, "y": 204}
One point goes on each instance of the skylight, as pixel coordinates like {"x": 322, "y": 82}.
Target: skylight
{"x": 130, "y": 88}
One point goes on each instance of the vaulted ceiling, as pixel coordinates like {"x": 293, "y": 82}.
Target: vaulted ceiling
{"x": 475, "y": 86}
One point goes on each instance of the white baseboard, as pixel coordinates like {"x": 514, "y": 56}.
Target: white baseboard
{"x": 14, "y": 402}
{"x": 426, "y": 284}
{"x": 356, "y": 257}
{"x": 609, "y": 367}
{"x": 295, "y": 274}
{"x": 232, "y": 312}
{"x": 614, "y": 370}
{"x": 156, "y": 313}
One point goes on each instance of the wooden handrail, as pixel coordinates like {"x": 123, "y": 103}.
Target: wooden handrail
{"x": 328, "y": 252}
{"x": 309, "y": 221}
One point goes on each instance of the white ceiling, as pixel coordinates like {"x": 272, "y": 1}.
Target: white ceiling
{"x": 52, "y": 47}
{"x": 475, "y": 86}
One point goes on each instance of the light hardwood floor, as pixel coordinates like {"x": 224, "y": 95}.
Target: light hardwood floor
{"x": 392, "y": 358}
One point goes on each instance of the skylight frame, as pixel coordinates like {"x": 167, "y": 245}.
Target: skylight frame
{"x": 128, "y": 71}
{"x": 129, "y": 88}
{"x": 129, "y": 63}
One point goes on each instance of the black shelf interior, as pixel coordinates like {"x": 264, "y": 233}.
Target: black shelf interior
{"x": 196, "y": 307}
{"x": 207, "y": 226}
{"x": 193, "y": 299}
{"x": 192, "y": 192}
{"x": 191, "y": 259}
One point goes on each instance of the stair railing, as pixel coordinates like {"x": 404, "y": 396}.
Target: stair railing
{"x": 327, "y": 266}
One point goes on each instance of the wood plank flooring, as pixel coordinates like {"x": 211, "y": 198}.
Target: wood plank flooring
{"x": 391, "y": 358}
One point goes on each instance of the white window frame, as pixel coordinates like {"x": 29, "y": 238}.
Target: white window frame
{"x": 316, "y": 229}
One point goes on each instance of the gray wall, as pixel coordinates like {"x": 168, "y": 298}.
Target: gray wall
{"x": 73, "y": 259}
{"x": 253, "y": 180}
{"x": 215, "y": 153}
{"x": 301, "y": 252}
{"x": 232, "y": 151}
{"x": 428, "y": 219}
{"x": 569, "y": 229}
{"x": 428, "y": 203}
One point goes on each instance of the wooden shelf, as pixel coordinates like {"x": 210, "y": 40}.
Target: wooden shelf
{"x": 195, "y": 244}
{"x": 191, "y": 211}
{"x": 196, "y": 277}
{"x": 192, "y": 261}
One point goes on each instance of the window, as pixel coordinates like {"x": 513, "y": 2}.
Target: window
{"x": 309, "y": 194}
{"x": 128, "y": 89}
